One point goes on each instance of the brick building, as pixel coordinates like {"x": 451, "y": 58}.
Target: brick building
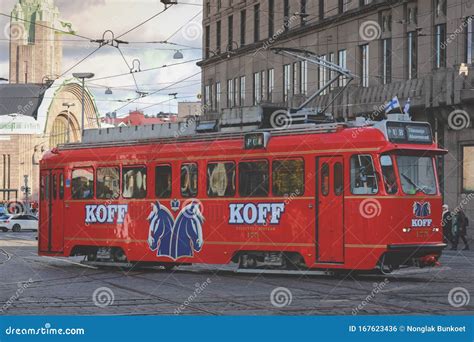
{"x": 419, "y": 49}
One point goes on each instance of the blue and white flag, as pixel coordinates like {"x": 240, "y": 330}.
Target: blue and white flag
{"x": 406, "y": 109}
{"x": 393, "y": 104}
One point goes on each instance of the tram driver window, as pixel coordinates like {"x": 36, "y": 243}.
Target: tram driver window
{"x": 388, "y": 174}
{"x": 82, "y": 184}
{"x": 189, "y": 180}
{"x": 108, "y": 182}
{"x": 163, "y": 181}
{"x": 363, "y": 176}
{"x": 288, "y": 177}
{"x": 253, "y": 179}
{"x": 221, "y": 179}
{"x": 134, "y": 182}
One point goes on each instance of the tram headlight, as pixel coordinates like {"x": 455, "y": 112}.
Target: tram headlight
{"x": 435, "y": 229}
{"x": 406, "y": 230}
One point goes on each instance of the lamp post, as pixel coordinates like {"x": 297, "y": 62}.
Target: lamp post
{"x": 68, "y": 104}
{"x": 82, "y": 76}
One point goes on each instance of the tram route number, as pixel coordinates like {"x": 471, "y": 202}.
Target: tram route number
{"x": 373, "y": 328}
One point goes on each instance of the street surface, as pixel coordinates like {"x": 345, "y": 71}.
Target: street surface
{"x": 33, "y": 285}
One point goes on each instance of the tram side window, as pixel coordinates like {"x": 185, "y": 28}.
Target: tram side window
{"x": 325, "y": 179}
{"x": 55, "y": 189}
{"x": 134, "y": 182}
{"x": 388, "y": 174}
{"x": 108, "y": 182}
{"x": 338, "y": 179}
{"x": 189, "y": 180}
{"x": 82, "y": 183}
{"x": 61, "y": 186}
{"x": 288, "y": 177}
{"x": 221, "y": 179}
{"x": 363, "y": 176}
{"x": 253, "y": 179}
{"x": 163, "y": 181}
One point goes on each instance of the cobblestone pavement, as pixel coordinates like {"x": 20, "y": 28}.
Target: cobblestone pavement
{"x": 33, "y": 285}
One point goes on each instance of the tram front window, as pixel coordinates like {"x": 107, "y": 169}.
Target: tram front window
{"x": 388, "y": 173}
{"x": 417, "y": 175}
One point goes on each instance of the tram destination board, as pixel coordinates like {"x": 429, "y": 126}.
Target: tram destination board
{"x": 409, "y": 133}
{"x": 253, "y": 141}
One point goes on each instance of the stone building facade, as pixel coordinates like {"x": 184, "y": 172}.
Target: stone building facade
{"x": 419, "y": 50}
{"x": 35, "y": 48}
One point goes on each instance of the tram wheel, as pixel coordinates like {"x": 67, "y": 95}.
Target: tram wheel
{"x": 169, "y": 267}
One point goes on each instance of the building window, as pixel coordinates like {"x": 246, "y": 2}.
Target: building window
{"x": 331, "y": 73}
{"x": 230, "y": 93}
{"x": 468, "y": 169}
{"x": 108, "y": 182}
{"x": 236, "y": 91}
{"x": 286, "y": 81}
{"x": 208, "y": 8}
{"x": 207, "y": 42}
{"x": 256, "y": 88}
{"x": 322, "y": 76}
{"x": 207, "y": 96}
{"x": 271, "y": 17}
{"x": 303, "y": 77}
{"x": 288, "y": 177}
{"x": 387, "y": 23}
{"x": 365, "y": 2}
{"x": 440, "y": 32}
{"x": 342, "y": 61}
{"x": 230, "y": 33}
{"x": 270, "y": 83}
{"x": 82, "y": 183}
{"x": 218, "y": 96}
{"x": 134, "y": 182}
{"x": 243, "y": 20}
{"x": 440, "y": 7}
{"x": 387, "y": 61}
{"x": 295, "y": 78}
{"x": 364, "y": 57}
{"x": 219, "y": 5}
{"x": 256, "y": 23}
{"x": 189, "y": 180}
{"x": 470, "y": 40}
{"x": 242, "y": 91}
{"x": 303, "y": 12}
{"x": 163, "y": 181}
{"x": 321, "y": 9}
{"x": 343, "y": 5}
{"x": 221, "y": 179}
{"x": 412, "y": 16}
{"x": 218, "y": 37}
{"x": 412, "y": 55}
{"x": 253, "y": 179}
{"x": 286, "y": 14}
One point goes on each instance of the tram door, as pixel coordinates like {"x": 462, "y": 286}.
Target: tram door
{"x": 51, "y": 233}
{"x": 330, "y": 209}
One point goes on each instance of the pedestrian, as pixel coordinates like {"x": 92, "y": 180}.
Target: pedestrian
{"x": 460, "y": 224}
{"x": 447, "y": 224}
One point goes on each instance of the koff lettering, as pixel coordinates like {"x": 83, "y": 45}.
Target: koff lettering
{"x": 112, "y": 213}
{"x": 250, "y": 213}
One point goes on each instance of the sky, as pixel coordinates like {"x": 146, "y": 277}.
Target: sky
{"x": 180, "y": 24}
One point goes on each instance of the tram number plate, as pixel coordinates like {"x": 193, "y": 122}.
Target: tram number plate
{"x": 422, "y": 233}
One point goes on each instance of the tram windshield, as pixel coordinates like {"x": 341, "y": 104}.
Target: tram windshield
{"x": 417, "y": 174}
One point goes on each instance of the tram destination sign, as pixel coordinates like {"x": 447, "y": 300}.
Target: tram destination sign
{"x": 253, "y": 141}
{"x": 409, "y": 133}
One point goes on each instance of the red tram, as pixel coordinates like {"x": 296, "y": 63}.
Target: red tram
{"x": 316, "y": 197}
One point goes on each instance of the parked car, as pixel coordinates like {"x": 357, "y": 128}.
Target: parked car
{"x": 19, "y": 222}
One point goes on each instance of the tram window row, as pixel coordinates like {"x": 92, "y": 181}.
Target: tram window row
{"x": 253, "y": 180}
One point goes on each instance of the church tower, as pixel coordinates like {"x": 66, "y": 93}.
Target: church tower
{"x": 35, "y": 48}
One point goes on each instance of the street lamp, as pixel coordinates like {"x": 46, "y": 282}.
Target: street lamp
{"x": 82, "y": 76}
{"x": 108, "y": 91}
{"x": 68, "y": 104}
{"x": 178, "y": 55}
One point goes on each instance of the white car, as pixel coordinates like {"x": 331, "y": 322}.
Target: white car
{"x": 19, "y": 222}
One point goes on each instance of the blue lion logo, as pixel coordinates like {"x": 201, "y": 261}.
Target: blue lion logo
{"x": 175, "y": 239}
{"x": 421, "y": 209}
